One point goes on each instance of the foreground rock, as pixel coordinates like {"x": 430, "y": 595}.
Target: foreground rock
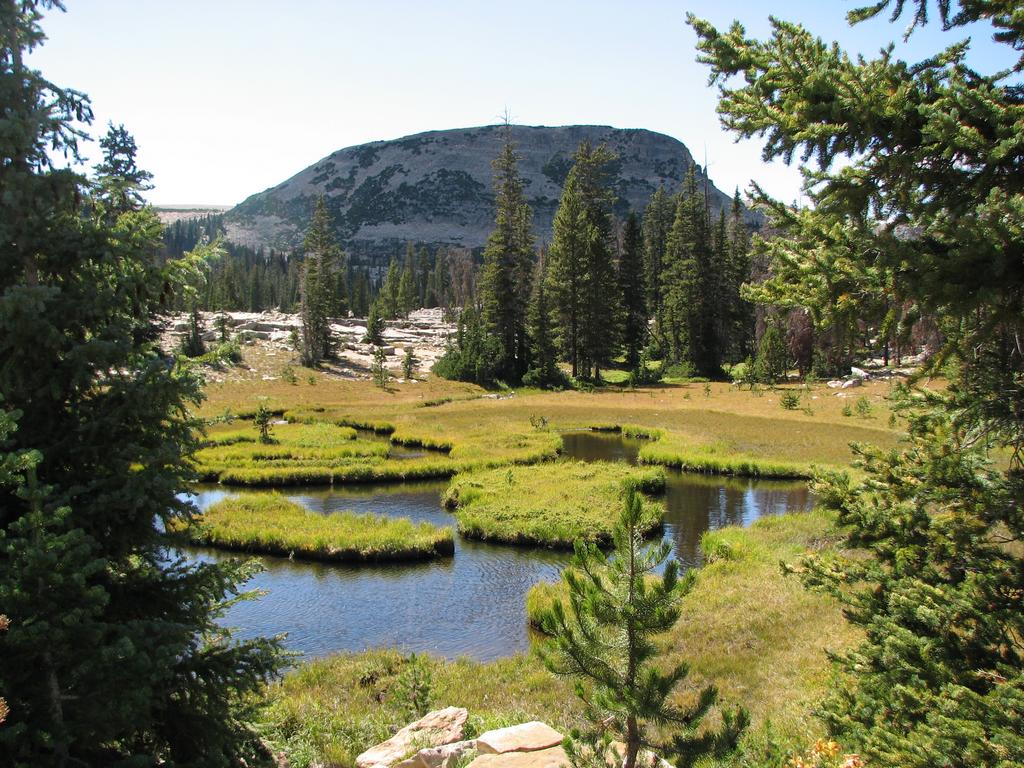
{"x": 528, "y": 745}
{"x": 554, "y": 757}
{"x": 527, "y": 737}
{"x": 444, "y": 726}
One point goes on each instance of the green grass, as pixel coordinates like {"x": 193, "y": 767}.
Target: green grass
{"x": 549, "y": 505}
{"x": 272, "y": 525}
{"x": 718, "y": 459}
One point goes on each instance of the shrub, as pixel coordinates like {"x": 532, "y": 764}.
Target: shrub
{"x": 790, "y": 400}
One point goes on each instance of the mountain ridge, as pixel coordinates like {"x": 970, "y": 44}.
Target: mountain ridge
{"x": 435, "y": 188}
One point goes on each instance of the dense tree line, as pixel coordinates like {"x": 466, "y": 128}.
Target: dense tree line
{"x": 253, "y": 280}
{"x": 606, "y": 292}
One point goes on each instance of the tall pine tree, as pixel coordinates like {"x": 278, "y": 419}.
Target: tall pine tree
{"x": 633, "y": 291}
{"x": 508, "y": 267}
{"x": 583, "y": 282}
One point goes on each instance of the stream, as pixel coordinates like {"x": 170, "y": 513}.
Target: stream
{"x": 472, "y": 604}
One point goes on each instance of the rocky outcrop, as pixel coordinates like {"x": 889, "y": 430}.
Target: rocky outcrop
{"x": 444, "y": 726}
{"x": 425, "y": 331}
{"x": 435, "y": 188}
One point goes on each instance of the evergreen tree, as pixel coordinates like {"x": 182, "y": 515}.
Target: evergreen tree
{"x": 422, "y": 276}
{"x": 657, "y": 223}
{"x": 119, "y": 181}
{"x": 772, "y": 361}
{"x": 633, "y": 290}
{"x": 544, "y": 371}
{"x": 389, "y": 297}
{"x": 112, "y": 655}
{"x": 738, "y": 315}
{"x": 320, "y": 295}
{"x": 508, "y": 267}
{"x": 582, "y": 273}
{"x": 927, "y": 217}
{"x": 693, "y": 293}
{"x": 407, "y": 295}
{"x": 374, "y": 325}
{"x": 605, "y": 637}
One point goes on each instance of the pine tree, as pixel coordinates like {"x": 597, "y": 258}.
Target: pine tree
{"x": 112, "y": 651}
{"x": 508, "y": 267}
{"x": 582, "y": 272}
{"x": 657, "y": 222}
{"x": 389, "y": 296}
{"x": 633, "y": 289}
{"x": 320, "y": 296}
{"x": 936, "y": 584}
{"x": 407, "y": 296}
{"x": 544, "y": 371}
{"x": 692, "y": 290}
{"x": 616, "y": 606}
{"x": 374, "y": 325}
{"x": 119, "y": 181}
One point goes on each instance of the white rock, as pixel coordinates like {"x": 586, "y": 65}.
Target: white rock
{"x": 851, "y": 383}
{"x": 554, "y": 757}
{"x": 526, "y": 737}
{"x": 443, "y": 726}
{"x": 860, "y": 373}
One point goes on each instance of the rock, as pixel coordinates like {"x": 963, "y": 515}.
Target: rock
{"x": 443, "y": 726}
{"x": 851, "y": 383}
{"x": 438, "y": 757}
{"x": 526, "y": 737}
{"x": 554, "y": 757}
{"x": 644, "y": 758}
{"x": 835, "y": 384}
{"x": 859, "y": 373}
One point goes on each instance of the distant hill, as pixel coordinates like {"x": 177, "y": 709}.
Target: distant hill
{"x": 435, "y": 188}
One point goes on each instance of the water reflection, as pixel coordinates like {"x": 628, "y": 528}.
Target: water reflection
{"x": 474, "y": 603}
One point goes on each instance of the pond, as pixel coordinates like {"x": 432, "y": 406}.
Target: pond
{"x": 471, "y": 604}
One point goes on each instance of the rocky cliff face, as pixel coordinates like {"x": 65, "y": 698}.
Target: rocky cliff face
{"x": 435, "y": 188}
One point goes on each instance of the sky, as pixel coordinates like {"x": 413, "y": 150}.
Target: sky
{"x": 226, "y": 98}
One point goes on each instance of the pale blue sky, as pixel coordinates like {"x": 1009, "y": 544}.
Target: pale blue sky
{"x": 228, "y": 97}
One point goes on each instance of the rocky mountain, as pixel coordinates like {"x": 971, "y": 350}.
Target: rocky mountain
{"x": 435, "y": 188}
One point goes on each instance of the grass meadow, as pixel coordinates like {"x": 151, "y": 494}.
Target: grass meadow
{"x": 273, "y": 525}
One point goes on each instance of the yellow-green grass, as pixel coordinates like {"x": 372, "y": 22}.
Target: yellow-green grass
{"x": 752, "y": 631}
{"x": 698, "y": 431}
{"x": 273, "y": 525}
{"x": 717, "y": 459}
{"x": 745, "y": 626}
{"x": 550, "y": 505}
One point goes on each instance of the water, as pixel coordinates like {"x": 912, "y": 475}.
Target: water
{"x": 474, "y": 603}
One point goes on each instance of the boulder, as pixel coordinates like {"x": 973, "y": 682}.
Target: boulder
{"x": 554, "y": 757}
{"x": 851, "y": 383}
{"x": 835, "y": 384}
{"x": 443, "y": 726}
{"x": 438, "y": 757}
{"x": 859, "y": 373}
{"x": 526, "y": 737}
